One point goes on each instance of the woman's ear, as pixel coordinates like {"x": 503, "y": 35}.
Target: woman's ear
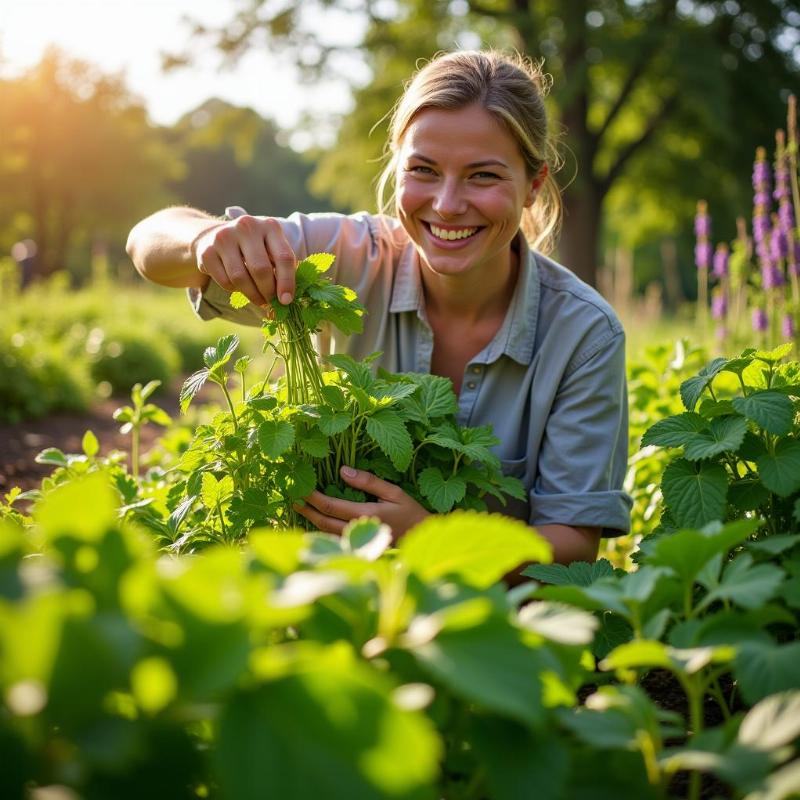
{"x": 535, "y": 184}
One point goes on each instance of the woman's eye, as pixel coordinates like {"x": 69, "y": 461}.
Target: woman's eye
{"x": 420, "y": 170}
{"x": 490, "y": 175}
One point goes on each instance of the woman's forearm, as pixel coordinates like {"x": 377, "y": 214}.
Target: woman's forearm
{"x": 161, "y": 246}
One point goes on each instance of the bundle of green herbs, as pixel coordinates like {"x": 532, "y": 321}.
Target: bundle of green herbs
{"x": 280, "y": 441}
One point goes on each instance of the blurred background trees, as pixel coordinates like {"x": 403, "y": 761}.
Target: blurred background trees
{"x": 657, "y": 103}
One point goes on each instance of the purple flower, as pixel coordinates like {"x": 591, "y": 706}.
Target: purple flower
{"x": 761, "y": 199}
{"x": 761, "y": 226}
{"x": 720, "y": 269}
{"x": 786, "y": 217}
{"x": 719, "y": 305}
{"x": 702, "y": 222}
{"x": 702, "y": 254}
{"x": 759, "y": 319}
{"x": 771, "y": 276}
{"x": 760, "y": 170}
{"x": 778, "y": 245}
{"x": 787, "y": 326}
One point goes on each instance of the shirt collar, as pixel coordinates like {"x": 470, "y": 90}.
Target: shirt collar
{"x": 517, "y": 334}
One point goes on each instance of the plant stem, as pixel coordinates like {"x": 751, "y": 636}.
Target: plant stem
{"x": 135, "y": 449}
{"x": 230, "y": 404}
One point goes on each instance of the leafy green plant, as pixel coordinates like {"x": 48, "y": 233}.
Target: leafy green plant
{"x": 739, "y": 440}
{"x": 134, "y": 417}
{"x": 270, "y": 449}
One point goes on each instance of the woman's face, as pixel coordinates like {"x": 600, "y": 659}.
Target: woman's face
{"x": 461, "y": 188}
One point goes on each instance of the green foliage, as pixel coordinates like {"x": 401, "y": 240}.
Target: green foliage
{"x": 740, "y": 454}
{"x": 279, "y": 443}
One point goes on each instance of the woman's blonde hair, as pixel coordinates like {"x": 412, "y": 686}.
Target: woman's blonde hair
{"x": 512, "y": 88}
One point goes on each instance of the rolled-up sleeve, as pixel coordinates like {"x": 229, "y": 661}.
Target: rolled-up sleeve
{"x": 355, "y": 240}
{"x": 583, "y": 455}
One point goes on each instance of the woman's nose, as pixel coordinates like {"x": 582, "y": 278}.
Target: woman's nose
{"x": 449, "y": 200}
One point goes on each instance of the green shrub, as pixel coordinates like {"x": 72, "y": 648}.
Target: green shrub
{"x": 128, "y": 355}
{"x": 37, "y": 377}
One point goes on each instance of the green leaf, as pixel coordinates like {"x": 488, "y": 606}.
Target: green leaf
{"x": 325, "y": 725}
{"x": 443, "y": 493}
{"x": 218, "y": 355}
{"x": 89, "y": 444}
{"x": 476, "y": 548}
{"x": 724, "y": 433}
{"x": 578, "y": 573}
{"x": 156, "y": 415}
{"x": 191, "y": 386}
{"x": 747, "y": 494}
{"x": 772, "y": 723}
{"x": 238, "y": 300}
{"x": 315, "y": 443}
{"x": 92, "y": 495}
{"x": 149, "y": 388}
{"x": 780, "y": 471}
{"x": 695, "y": 492}
{"x": 300, "y": 481}
{"x": 746, "y": 584}
{"x": 762, "y": 669}
{"x": 275, "y": 437}
{"x": 692, "y": 388}
{"x": 688, "y": 551}
{"x": 241, "y": 364}
{"x": 752, "y": 447}
{"x": 774, "y": 356}
{"x": 321, "y": 262}
{"x": 51, "y": 455}
{"x": 559, "y": 622}
{"x": 674, "y": 431}
{"x": 334, "y": 397}
{"x": 359, "y": 373}
{"x": 508, "y": 683}
{"x": 331, "y": 422}
{"x": 771, "y": 410}
{"x": 387, "y": 430}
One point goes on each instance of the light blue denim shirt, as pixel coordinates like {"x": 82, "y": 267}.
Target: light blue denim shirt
{"x": 551, "y": 382}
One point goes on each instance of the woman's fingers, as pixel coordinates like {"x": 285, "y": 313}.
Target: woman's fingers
{"x": 250, "y": 255}
{"x": 321, "y": 521}
{"x": 283, "y": 260}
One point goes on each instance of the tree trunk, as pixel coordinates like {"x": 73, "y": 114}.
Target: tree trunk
{"x": 580, "y": 234}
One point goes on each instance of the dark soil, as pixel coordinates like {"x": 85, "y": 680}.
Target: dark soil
{"x": 20, "y": 443}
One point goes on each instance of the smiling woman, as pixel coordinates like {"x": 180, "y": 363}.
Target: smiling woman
{"x": 457, "y": 283}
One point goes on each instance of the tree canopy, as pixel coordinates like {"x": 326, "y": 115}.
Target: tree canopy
{"x": 660, "y": 101}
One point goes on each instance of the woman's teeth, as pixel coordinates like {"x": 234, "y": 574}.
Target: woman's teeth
{"x": 440, "y": 233}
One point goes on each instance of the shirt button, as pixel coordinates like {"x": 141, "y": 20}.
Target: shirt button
{"x": 476, "y": 370}
{"x": 471, "y": 385}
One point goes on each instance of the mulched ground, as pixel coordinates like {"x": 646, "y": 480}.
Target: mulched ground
{"x": 20, "y": 443}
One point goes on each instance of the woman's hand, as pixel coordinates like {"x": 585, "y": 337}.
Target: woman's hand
{"x": 393, "y": 506}
{"x": 250, "y": 255}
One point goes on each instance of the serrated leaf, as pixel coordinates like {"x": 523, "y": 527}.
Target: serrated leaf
{"x": 692, "y": 388}
{"x": 780, "y": 471}
{"x": 752, "y": 447}
{"x": 359, "y": 373}
{"x": 334, "y": 397}
{"x": 771, "y": 410}
{"x": 774, "y": 356}
{"x": 315, "y": 443}
{"x": 275, "y": 437}
{"x": 180, "y": 513}
{"x": 241, "y": 364}
{"x": 220, "y": 354}
{"x": 387, "y": 430}
{"x": 300, "y": 481}
{"x": 442, "y": 493}
{"x": 725, "y": 433}
{"x": 673, "y": 431}
{"x": 771, "y": 723}
{"x": 695, "y": 492}
{"x": 191, "y": 386}
{"x": 238, "y": 300}
{"x": 578, "y": 573}
{"x": 332, "y": 423}
{"x": 89, "y": 444}
{"x": 209, "y": 490}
